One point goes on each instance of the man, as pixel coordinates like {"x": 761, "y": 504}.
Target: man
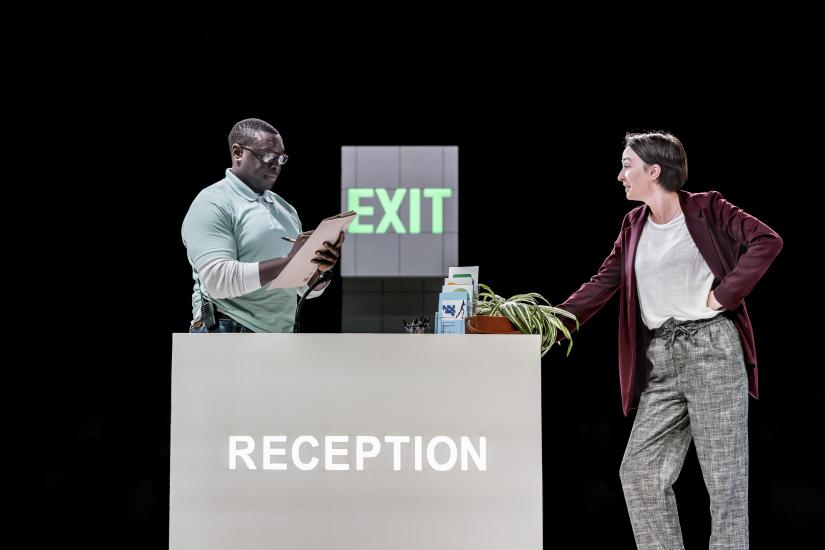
{"x": 233, "y": 236}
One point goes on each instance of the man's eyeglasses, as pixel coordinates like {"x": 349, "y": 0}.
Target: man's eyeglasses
{"x": 268, "y": 157}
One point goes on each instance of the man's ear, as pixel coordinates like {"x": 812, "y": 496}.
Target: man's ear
{"x": 237, "y": 152}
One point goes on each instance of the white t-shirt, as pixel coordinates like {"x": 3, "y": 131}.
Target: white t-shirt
{"x": 672, "y": 277}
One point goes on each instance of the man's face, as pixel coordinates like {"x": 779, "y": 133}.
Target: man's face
{"x": 249, "y": 165}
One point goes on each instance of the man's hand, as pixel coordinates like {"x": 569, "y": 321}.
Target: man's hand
{"x": 327, "y": 257}
{"x": 300, "y": 240}
{"x": 712, "y": 303}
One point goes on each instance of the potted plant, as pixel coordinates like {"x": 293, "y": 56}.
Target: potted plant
{"x": 523, "y": 313}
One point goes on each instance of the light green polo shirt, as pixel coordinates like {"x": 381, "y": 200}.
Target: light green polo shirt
{"x": 229, "y": 220}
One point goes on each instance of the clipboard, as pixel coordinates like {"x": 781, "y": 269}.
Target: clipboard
{"x": 300, "y": 268}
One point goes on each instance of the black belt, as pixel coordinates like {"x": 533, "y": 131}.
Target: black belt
{"x": 221, "y": 315}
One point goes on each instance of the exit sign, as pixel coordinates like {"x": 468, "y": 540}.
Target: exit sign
{"x": 406, "y": 201}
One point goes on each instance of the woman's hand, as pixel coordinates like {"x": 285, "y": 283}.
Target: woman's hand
{"x": 713, "y": 304}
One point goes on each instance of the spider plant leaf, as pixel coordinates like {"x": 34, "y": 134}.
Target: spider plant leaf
{"x": 530, "y": 313}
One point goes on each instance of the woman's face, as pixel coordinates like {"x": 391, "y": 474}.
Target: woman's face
{"x": 637, "y": 177}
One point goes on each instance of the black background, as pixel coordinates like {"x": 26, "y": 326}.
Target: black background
{"x": 539, "y": 131}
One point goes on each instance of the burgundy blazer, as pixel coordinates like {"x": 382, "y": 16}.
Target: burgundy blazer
{"x": 737, "y": 247}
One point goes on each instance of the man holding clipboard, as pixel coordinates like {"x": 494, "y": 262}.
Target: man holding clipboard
{"x": 246, "y": 274}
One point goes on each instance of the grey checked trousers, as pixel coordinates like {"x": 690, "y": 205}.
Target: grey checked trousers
{"x": 698, "y": 390}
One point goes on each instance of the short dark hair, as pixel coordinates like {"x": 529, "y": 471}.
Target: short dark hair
{"x": 664, "y": 149}
{"x": 248, "y": 131}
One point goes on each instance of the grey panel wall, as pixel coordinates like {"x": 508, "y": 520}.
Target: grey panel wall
{"x": 377, "y": 304}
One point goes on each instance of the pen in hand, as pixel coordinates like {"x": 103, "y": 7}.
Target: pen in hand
{"x": 289, "y": 240}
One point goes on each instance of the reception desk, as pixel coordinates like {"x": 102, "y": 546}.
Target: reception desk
{"x": 355, "y": 441}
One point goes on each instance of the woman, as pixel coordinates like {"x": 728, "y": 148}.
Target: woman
{"x": 686, "y": 352}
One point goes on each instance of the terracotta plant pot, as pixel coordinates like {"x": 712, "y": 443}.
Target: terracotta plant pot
{"x": 487, "y": 324}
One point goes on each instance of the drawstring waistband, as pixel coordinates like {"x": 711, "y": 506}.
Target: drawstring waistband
{"x": 671, "y": 328}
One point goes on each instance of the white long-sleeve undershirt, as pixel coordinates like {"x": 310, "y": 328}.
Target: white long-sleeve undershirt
{"x": 227, "y": 278}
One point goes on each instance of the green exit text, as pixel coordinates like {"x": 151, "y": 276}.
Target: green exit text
{"x": 390, "y": 201}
